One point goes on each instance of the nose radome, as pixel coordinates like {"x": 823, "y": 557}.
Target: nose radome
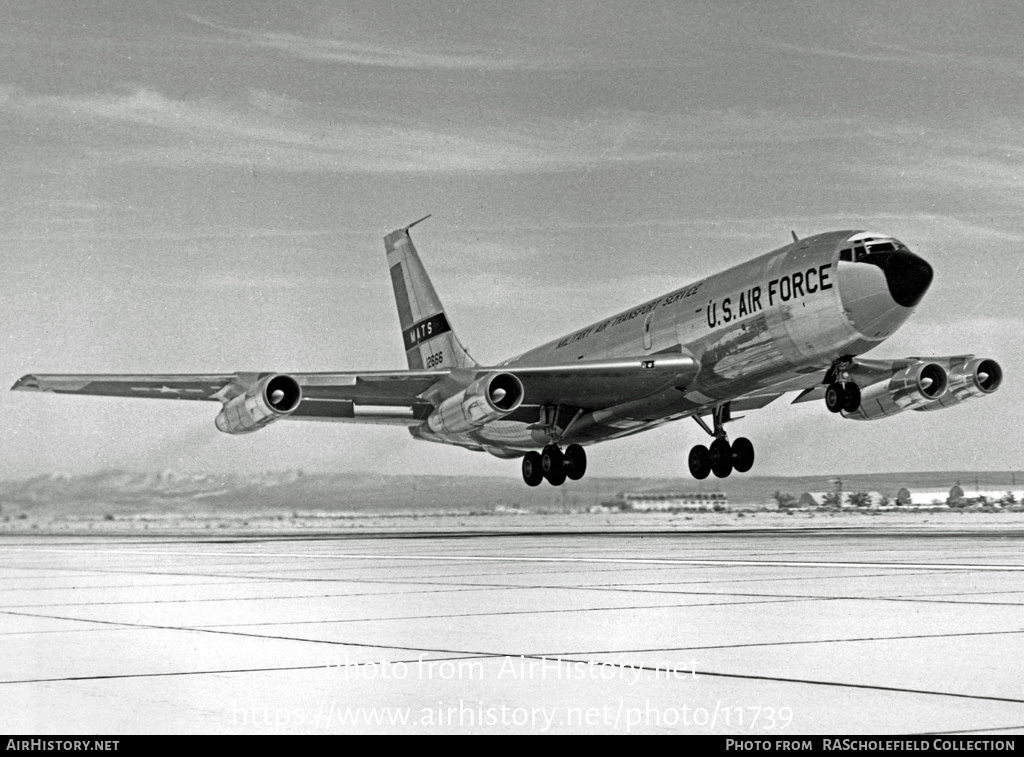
{"x": 880, "y": 282}
{"x": 907, "y": 275}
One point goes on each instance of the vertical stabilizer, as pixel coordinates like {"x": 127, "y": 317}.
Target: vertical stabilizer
{"x": 429, "y": 339}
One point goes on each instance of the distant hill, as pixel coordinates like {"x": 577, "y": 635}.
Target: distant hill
{"x": 122, "y": 492}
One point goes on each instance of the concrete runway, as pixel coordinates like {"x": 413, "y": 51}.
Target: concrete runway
{"x": 756, "y": 632}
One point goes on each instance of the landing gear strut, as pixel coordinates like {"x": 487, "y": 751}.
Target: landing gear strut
{"x": 554, "y": 465}
{"x": 722, "y": 458}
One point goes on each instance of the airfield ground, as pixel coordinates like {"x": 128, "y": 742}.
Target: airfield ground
{"x": 765, "y": 625}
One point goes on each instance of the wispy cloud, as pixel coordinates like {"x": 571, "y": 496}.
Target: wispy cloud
{"x": 877, "y": 51}
{"x": 973, "y": 172}
{"x": 271, "y": 131}
{"x": 262, "y": 133}
{"x": 873, "y": 53}
{"x": 84, "y": 228}
{"x": 234, "y": 282}
{"x": 363, "y": 50}
{"x": 984, "y": 159}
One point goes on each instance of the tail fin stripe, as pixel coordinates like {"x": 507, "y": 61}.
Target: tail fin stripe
{"x": 401, "y": 296}
{"x": 426, "y": 330}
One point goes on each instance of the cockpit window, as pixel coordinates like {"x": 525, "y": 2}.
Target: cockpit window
{"x": 862, "y": 245}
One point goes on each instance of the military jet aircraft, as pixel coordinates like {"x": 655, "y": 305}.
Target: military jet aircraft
{"x": 795, "y": 319}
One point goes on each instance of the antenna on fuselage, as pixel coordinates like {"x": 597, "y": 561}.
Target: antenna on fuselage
{"x": 795, "y": 237}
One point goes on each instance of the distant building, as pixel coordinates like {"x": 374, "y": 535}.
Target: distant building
{"x": 672, "y": 500}
{"x": 961, "y": 497}
{"x": 810, "y": 499}
{"x": 926, "y": 499}
{"x": 818, "y": 499}
{"x": 955, "y": 496}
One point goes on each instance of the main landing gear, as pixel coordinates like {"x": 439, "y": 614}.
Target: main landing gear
{"x": 722, "y": 458}
{"x": 553, "y": 464}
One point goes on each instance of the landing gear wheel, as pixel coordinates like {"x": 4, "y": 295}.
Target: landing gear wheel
{"x": 552, "y": 462}
{"x": 532, "y": 472}
{"x": 742, "y": 455}
{"x": 835, "y": 396}
{"x": 700, "y": 462}
{"x": 551, "y": 459}
{"x": 575, "y": 462}
{"x": 556, "y": 477}
{"x": 721, "y": 458}
{"x": 851, "y": 398}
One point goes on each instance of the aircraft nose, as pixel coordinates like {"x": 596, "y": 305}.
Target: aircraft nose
{"x": 907, "y": 275}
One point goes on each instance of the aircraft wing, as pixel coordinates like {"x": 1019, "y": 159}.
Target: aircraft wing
{"x": 405, "y": 397}
{"x": 369, "y": 397}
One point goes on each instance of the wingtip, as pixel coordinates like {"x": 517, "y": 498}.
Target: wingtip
{"x": 27, "y": 382}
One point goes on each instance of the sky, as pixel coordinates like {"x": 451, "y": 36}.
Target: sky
{"x": 203, "y": 187}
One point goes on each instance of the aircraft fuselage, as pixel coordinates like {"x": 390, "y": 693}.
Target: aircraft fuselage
{"x": 753, "y": 328}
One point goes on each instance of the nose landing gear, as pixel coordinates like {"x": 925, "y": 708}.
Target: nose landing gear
{"x": 842, "y": 397}
{"x": 722, "y": 458}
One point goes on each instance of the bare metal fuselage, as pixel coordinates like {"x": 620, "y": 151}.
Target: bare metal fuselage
{"x": 756, "y": 330}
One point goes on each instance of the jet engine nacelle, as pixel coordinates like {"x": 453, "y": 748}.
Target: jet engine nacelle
{"x": 487, "y": 399}
{"x": 971, "y": 378}
{"x": 266, "y": 401}
{"x": 909, "y": 388}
